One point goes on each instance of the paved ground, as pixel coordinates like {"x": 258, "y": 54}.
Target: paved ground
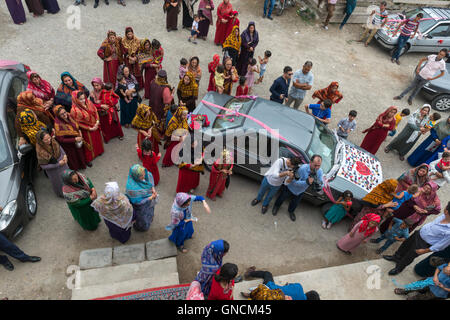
{"x": 368, "y": 81}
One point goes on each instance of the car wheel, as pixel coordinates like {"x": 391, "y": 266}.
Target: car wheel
{"x": 441, "y": 103}
{"x": 30, "y": 202}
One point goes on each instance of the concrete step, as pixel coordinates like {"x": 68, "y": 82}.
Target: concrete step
{"x": 367, "y": 280}
{"x": 110, "y": 289}
{"x": 126, "y": 272}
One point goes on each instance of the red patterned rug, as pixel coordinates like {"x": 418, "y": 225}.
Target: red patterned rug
{"x": 177, "y": 292}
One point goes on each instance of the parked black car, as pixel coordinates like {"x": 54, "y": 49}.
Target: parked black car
{"x": 345, "y": 166}
{"x": 17, "y": 164}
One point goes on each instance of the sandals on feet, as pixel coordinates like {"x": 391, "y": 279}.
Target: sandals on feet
{"x": 182, "y": 249}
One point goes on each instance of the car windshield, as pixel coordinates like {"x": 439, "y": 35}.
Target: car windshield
{"x": 227, "y": 118}
{"x": 323, "y": 143}
{"x": 5, "y": 158}
{"x": 425, "y": 23}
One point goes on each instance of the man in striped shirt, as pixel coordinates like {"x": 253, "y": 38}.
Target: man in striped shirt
{"x": 408, "y": 27}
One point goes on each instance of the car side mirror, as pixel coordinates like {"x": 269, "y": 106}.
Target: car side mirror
{"x": 25, "y": 148}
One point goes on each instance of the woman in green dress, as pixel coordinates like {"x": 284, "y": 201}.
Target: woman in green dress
{"x": 79, "y": 193}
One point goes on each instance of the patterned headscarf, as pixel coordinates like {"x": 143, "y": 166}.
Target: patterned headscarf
{"x": 86, "y": 115}
{"x": 138, "y": 190}
{"x": 262, "y": 292}
{"x": 177, "y": 212}
{"x": 65, "y": 127}
{"x": 74, "y": 192}
{"x": 412, "y": 177}
{"x": 114, "y": 207}
{"x": 44, "y": 151}
{"x": 427, "y": 201}
{"x": 30, "y": 125}
{"x": 188, "y": 90}
{"x": 133, "y": 45}
{"x": 381, "y": 194}
{"x": 212, "y": 256}
{"x": 27, "y": 99}
{"x": 145, "y": 118}
{"x": 326, "y": 93}
{"x": 108, "y": 47}
{"x": 364, "y": 227}
{"x": 43, "y": 91}
{"x": 177, "y": 121}
{"x": 65, "y": 88}
{"x": 232, "y": 41}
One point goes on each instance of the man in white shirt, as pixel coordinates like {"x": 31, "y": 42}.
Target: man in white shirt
{"x": 434, "y": 63}
{"x": 281, "y": 172}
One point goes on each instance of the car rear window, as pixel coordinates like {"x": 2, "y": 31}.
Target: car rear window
{"x": 227, "y": 118}
{"x": 426, "y": 22}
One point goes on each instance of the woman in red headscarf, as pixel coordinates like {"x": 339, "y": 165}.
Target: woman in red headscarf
{"x": 85, "y": 114}
{"x": 111, "y": 52}
{"x": 377, "y": 133}
{"x": 234, "y": 21}
{"x": 224, "y": 12}
{"x": 212, "y": 70}
{"x": 360, "y": 233}
{"x": 68, "y": 135}
{"x": 105, "y": 101}
{"x": 331, "y": 92}
{"x": 41, "y": 89}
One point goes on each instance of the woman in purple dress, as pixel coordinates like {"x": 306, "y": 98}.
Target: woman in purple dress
{"x": 51, "y": 6}
{"x": 250, "y": 40}
{"x": 35, "y": 7}
{"x": 16, "y": 10}
{"x": 205, "y": 9}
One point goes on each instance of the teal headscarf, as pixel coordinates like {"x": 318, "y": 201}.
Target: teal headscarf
{"x": 75, "y": 84}
{"x": 138, "y": 190}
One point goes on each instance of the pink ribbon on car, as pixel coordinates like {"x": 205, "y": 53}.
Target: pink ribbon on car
{"x": 237, "y": 114}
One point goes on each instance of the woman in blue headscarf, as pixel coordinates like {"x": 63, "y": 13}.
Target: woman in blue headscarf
{"x": 181, "y": 212}
{"x": 64, "y": 93}
{"x": 141, "y": 192}
{"x": 212, "y": 256}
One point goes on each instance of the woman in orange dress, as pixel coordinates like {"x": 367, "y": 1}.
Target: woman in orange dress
{"x": 175, "y": 133}
{"x": 331, "y": 92}
{"x": 147, "y": 125}
{"x": 85, "y": 114}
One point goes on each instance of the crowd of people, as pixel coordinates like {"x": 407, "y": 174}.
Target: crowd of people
{"x": 70, "y": 125}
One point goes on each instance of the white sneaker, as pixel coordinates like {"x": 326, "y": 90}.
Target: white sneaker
{"x": 324, "y": 224}
{"x": 329, "y": 225}
{"x": 325, "y": 27}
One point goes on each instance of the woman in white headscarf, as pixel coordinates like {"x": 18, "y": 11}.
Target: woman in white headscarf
{"x": 411, "y": 133}
{"x": 117, "y": 212}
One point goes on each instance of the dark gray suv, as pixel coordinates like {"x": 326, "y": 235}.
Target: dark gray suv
{"x": 17, "y": 164}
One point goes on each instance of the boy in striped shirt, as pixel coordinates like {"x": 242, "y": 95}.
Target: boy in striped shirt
{"x": 408, "y": 27}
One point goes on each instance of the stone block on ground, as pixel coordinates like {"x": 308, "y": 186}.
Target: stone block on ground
{"x": 160, "y": 249}
{"x": 129, "y": 254}
{"x": 95, "y": 258}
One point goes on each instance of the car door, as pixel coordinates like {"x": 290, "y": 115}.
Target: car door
{"x": 435, "y": 39}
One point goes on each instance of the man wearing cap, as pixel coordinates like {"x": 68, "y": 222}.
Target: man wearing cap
{"x": 161, "y": 94}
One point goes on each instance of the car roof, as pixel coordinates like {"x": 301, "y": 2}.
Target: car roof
{"x": 294, "y": 125}
{"x": 440, "y": 13}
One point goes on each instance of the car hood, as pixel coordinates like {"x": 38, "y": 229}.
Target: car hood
{"x": 7, "y": 185}
{"x": 359, "y": 171}
{"x": 444, "y": 81}
{"x": 389, "y": 28}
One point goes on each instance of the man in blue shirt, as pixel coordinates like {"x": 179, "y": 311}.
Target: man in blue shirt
{"x": 307, "y": 175}
{"x": 280, "y": 86}
{"x": 321, "y": 112}
{"x": 432, "y": 237}
{"x": 292, "y": 291}
{"x": 301, "y": 82}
